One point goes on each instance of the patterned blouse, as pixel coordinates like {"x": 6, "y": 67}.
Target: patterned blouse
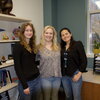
{"x": 49, "y": 63}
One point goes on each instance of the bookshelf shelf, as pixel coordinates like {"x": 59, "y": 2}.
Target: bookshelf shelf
{"x": 8, "y": 41}
{"x": 5, "y": 17}
{"x": 8, "y": 86}
{"x": 6, "y": 65}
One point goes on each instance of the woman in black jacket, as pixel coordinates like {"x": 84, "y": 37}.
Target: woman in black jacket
{"x": 73, "y": 63}
{"x": 24, "y": 54}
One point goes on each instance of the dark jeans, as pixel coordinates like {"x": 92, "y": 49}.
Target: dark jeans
{"x": 35, "y": 90}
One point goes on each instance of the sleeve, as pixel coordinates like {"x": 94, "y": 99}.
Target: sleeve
{"x": 37, "y": 59}
{"x": 61, "y": 58}
{"x": 82, "y": 57}
{"x": 17, "y": 52}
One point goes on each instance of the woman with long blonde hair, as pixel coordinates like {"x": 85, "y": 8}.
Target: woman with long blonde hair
{"x": 49, "y": 56}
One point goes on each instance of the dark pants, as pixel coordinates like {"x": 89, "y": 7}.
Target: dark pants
{"x": 35, "y": 90}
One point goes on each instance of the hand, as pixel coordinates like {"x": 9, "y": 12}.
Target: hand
{"x": 77, "y": 76}
{"x": 27, "y": 91}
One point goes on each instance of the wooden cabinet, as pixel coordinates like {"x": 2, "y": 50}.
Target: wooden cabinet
{"x": 90, "y": 91}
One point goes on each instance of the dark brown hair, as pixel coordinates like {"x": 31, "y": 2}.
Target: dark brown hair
{"x": 62, "y": 43}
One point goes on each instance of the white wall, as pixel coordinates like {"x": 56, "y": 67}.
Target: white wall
{"x": 30, "y": 9}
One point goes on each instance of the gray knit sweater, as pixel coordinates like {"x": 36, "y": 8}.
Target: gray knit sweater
{"x": 49, "y": 63}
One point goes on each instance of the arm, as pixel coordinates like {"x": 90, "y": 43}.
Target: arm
{"x": 17, "y": 53}
{"x": 83, "y": 61}
{"x": 37, "y": 59}
{"x": 82, "y": 57}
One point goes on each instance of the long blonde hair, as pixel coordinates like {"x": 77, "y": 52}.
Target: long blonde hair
{"x": 31, "y": 47}
{"x": 55, "y": 46}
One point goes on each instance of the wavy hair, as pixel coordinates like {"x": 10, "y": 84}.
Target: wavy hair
{"x": 55, "y": 45}
{"x": 31, "y": 47}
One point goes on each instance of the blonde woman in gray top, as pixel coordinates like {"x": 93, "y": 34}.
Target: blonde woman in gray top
{"x": 50, "y": 70}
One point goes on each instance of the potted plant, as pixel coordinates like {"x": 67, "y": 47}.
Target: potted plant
{"x": 96, "y": 46}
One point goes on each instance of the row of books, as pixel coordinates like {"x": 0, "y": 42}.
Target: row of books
{"x": 5, "y": 77}
{"x": 4, "y": 96}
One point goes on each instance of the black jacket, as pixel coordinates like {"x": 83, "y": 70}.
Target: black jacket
{"x": 25, "y": 65}
{"x": 76, "y": 59}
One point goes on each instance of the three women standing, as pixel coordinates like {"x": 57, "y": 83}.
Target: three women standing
{"x": 73, "y": 63}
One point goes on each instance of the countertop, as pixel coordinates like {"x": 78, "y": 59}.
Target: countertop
{"x": 91, "y": 77}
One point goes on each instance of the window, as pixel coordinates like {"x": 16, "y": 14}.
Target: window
{"x": 93, "y": 24}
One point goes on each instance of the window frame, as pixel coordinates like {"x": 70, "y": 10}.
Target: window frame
{"x": 89, "y": 13}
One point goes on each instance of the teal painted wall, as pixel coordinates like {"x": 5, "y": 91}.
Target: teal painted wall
{"x": 71, "y": 14}
{"x": 47, "y": 7}
{"x": 54, "y": 13}
{"x": 50, "y": 12}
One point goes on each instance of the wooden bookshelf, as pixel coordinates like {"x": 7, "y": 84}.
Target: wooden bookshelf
{"x": 8, "y": 18}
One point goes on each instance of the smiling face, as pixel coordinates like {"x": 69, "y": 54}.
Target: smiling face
{"x": 28, "y": 33}
{"x": 48, "y": 35}
{"x": 66, "y": 36}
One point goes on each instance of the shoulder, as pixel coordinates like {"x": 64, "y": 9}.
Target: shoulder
{"x": 78, "y": 43}
{"x": 17, "y": 46}
{"x": 39, "y": 47}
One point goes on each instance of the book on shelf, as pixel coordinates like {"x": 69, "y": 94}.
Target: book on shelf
{"x": 5, "y": 77}
{"x": 8, "y": 78}
{"x": 2, "y": 30}
{"x": 0, "y": 78}
{"x": 4, "y": 96}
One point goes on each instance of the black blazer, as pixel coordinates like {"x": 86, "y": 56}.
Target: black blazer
{"x": 76, "y": 59}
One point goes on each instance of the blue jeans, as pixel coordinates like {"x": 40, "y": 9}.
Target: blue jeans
{"x": 35, "y": 90}
{"x": 50, "y": 87}
{"x": 72, "y": 89}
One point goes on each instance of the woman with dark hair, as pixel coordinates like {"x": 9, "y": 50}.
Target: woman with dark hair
{"x": 73, "y": 63}
{"x": 24, "y": 54}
